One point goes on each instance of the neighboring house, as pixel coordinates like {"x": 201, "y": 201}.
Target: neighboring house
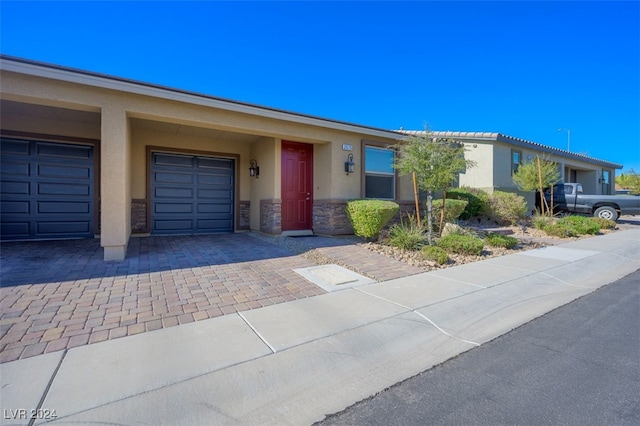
{"x": 86, "y": 154}
{"x": 498, "y": 156}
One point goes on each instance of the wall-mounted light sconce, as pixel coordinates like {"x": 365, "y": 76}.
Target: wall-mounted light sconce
{"x": 254, "y": 170}
{"x": 349, "y": 165}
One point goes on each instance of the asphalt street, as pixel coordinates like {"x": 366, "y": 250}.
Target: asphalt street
{"x": 577, "y": 365}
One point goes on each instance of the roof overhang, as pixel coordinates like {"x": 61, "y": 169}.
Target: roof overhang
{"x": 103, "y": 81}
{"x": 510, "y": 140}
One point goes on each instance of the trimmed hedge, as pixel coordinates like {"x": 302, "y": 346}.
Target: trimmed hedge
{"x": 506, "y": 207}
{"x": 368, "y": 217}
{"x": 476, "y": 199}
{"x": 453, "y": 209}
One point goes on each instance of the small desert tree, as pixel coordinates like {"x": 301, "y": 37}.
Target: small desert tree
{"x": 629, "y": 180}
{"x": 537, "y": 175}
{"x": 434, "y": 162}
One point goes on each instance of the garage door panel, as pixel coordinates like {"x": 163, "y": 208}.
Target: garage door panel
{"x": 54, "y": 207}
{"x": 15, "y": 229}
{"x": 192, "y": 194}
{"x": 11, "y": 146}
{"x": 173, "y": 160}
{"x": 215, "y": 163}
{"x": 15, "y": 188}
{"x": 15, "y": 168}
{"x": 64, "y": 172}
{"x": 62, "y": 228}
{"x": 173, "y": 208}
{"x": 224, "y": 181}
{"x": 15, "y": 207}
{"x": 215, "y": 194}
{"x": 215, "y": 208}
{"x": 174, "y": 225}
{"x": 46, "y": 190}
{"x": 166, "y": 192}
{"x": 52, "y": 188}
{"x": 46, "y": 149}
{"x": 177, "y": 178}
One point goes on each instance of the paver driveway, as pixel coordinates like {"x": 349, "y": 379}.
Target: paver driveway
{"x": 57, "y": 295}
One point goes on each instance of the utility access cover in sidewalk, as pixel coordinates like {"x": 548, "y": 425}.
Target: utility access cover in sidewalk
{"x": 333, "y": 277}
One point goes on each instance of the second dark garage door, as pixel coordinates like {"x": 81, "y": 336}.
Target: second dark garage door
{"x": 191, "y": 194}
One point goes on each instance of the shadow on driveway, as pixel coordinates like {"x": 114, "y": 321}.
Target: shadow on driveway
{"x": 33, "y": 262}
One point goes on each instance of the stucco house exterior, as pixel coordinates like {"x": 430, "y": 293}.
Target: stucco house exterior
{"x": 497, "y": 156}
{"x": 88, "y": 155}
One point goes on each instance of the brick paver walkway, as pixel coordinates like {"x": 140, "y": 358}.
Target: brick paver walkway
{"x": 56, "y": 295}
{"x": 60, "y": 294}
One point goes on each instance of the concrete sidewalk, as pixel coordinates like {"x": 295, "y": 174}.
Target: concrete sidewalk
{"x": 295, "y": 362}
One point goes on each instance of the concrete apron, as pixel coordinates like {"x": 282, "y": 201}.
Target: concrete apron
{"x": 295, "y": 362}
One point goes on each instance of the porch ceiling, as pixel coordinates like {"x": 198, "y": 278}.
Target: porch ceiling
{"x": 44, "y": 112}
{"x": 186, "y": 130}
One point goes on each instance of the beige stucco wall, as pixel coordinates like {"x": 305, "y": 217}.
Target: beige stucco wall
{"x": 481, "y": 175}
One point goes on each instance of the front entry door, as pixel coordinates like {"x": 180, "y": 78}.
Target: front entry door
{"x": 297, "y": 186}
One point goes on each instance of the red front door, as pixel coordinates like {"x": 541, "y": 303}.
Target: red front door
{"x": 297, "y": 186}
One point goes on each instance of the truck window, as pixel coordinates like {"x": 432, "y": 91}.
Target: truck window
{"x": 568, "y": 189}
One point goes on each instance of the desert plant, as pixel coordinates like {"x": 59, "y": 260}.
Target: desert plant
{"x": 507, "y": 207}
{"x": 476, "y": 200}
{"x": 581, "y": 225}
{"x": 435, "y": 164}
{"x": 541, "y": 221}
{"x": 499, "y": 240}
{"x": 461, "y": 244}
{"x": 368, "y": 217}
{"x": 406, "y": 234}
{"x": 454, "y": 209}
{"x": 537, "y": 175}
{"x": 435, "y": 254}
{"x": 604, "y": 223}
{"x": 561, "y": 230}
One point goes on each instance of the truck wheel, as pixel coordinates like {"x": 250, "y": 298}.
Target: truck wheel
{"x": 606, "y": 212}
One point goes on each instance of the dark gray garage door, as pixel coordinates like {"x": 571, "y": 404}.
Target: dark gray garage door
{"x": 191, "y": 194}
{"x": 47, "y": 190}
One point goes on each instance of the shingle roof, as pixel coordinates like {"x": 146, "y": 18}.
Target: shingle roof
{"x": 499, "y": 137}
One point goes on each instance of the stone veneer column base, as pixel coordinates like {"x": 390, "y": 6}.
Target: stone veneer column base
{"x": 330, "y": 217}
{"x": 271, "y": 216}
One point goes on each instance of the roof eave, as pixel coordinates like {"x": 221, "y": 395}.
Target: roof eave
{"x": 56, "y": 72}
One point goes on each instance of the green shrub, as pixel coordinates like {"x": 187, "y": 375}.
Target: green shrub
{"x": 368, "y": 217}
{"x": 506, "y": 207}
{"x": 604, "y": 223}
{"x": 406, "y": 235}
{"x": 452, "y": 209}
{"x": 476, "y": 201}
{"x": 461, "y": 244}
{"x": 435, "y": 254}
{"x": 499, "y": 240}
{"x": 560, "y": 230}
{"x": 581, "y": 225}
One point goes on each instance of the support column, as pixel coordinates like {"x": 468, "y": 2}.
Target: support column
{"x": 115, "y": 183}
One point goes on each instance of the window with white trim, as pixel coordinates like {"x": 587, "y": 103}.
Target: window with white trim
{"x": 379, "y": 174}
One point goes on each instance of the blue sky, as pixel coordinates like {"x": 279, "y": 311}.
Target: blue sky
{"x": 523, "y": 69}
